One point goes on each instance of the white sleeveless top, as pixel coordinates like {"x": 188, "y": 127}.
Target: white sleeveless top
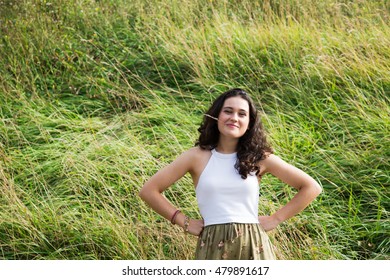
{"x": 223, "y": 196}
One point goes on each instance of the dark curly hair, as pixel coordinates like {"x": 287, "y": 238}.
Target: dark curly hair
{"x": 252, "y": 146}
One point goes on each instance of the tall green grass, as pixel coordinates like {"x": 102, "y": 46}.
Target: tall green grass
{"x": 96, "y": 96}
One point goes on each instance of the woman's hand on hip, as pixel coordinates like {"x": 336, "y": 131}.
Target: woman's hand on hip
{"x": 268, "y": 222}
{"x": 195, "y": 227}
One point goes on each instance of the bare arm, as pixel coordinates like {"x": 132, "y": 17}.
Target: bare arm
{"x": 308, "y": 190}
{"x": 152, "y": 190}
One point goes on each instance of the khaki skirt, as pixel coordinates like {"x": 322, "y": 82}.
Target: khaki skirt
{"x": 234, "y": 242}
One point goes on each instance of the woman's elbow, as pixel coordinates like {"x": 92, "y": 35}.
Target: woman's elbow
{"x": 143, "y": 193}
{"x": 317, "y": 189}
{"x": 148, "y": 192}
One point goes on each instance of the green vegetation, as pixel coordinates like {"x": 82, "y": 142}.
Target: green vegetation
{"x": 96, "y": 96}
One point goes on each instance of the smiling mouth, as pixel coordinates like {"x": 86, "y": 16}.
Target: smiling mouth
{"x": 231, "y": 125}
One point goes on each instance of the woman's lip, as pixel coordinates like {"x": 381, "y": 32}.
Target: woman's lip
{"x": 231, "y": 125}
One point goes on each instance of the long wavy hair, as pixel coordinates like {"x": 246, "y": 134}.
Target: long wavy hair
{"x": 252, "y": 146}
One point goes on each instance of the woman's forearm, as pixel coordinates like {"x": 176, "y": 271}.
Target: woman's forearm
{"x": 157, "y": 202}
{"x": 162, "y": 206}
{"x": 299, "y": 202}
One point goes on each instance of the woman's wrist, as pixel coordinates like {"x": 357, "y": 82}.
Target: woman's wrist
{"x": 174, "y": 216}
{"x": 182, "y": 221}
{"x": 276, "y": 219}
{"x": 186, "y": 224}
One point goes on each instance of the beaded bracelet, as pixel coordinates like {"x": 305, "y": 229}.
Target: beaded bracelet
{"x": 173, "y": 219}
{"x": 186, "y": 224}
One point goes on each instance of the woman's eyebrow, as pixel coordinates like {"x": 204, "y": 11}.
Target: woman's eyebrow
{"x": 231, "y": 108}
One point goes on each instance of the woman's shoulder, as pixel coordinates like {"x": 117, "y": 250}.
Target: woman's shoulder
{"x": 193, "y": 158}
{"x": 198, "y": 159}
{"x": 196, "y": 155}
{"x": 274, "y": 164}
{"x": 268, "y": 159}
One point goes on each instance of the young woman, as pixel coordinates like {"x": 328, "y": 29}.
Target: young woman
{"x": 226, "y": 164}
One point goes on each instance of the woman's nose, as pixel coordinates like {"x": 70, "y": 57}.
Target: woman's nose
{"x": 234, "y": 117}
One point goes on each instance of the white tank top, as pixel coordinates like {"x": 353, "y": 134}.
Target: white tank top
{"x": 223, "y": 196}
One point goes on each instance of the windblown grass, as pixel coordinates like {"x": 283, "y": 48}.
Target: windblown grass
{"x": 96, "y": 96}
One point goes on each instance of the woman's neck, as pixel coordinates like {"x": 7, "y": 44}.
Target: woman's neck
{"x": 227, "y": 146}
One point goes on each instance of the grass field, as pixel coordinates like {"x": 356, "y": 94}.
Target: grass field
{"x": 96, "y": 96}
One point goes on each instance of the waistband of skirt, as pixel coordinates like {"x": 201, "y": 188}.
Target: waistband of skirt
{"x": 232, "y": 224}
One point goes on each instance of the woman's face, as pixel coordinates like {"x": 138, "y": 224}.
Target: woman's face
{"x": 234, "y": 117}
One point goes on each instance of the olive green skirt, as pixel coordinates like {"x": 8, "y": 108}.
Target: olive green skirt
{"x": 234, "y": 242}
